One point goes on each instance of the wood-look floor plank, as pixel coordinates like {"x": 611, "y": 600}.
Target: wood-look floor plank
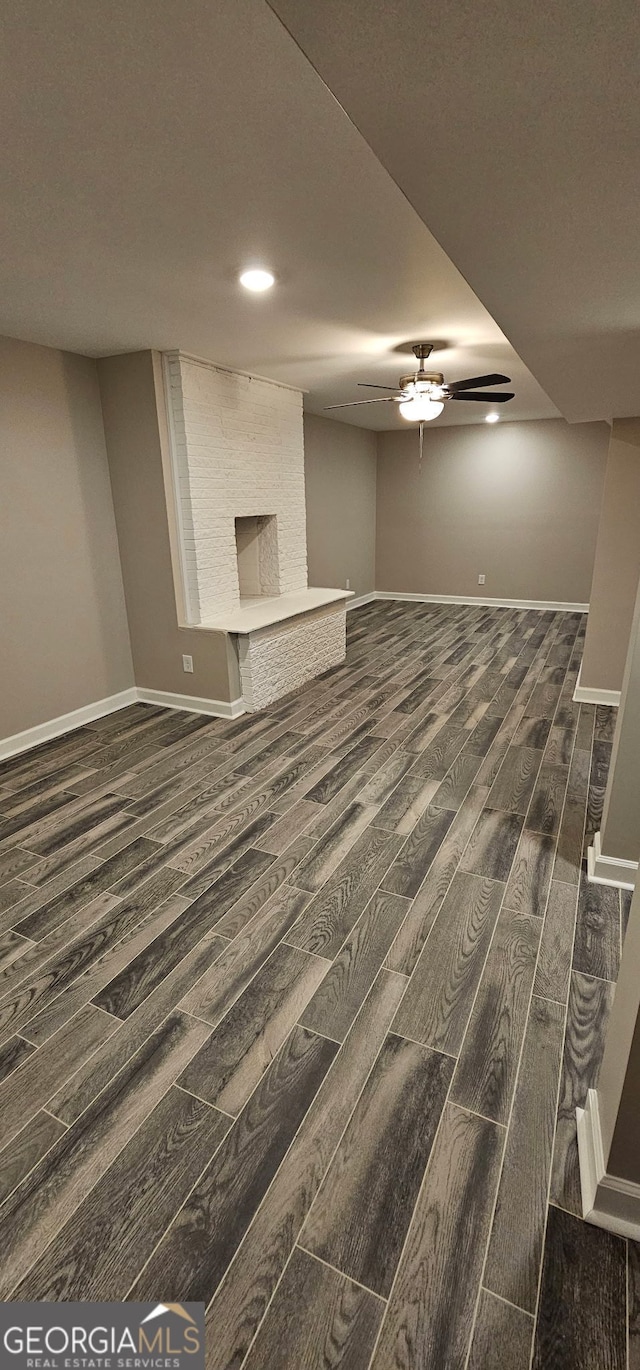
{"x": 87, "y": 1082}
{"x": 289, "y": 827}
{"x": 502, "y": 1336}
{"x": 30, "y": 1087}
{"x": 493, "y": 844}
{"x": 330, "y": 851}
{"x": 346, "y": 984}
{"x": 14, "y": 862}
{"x": 532, "y": 732}
{"x": 547, "y": 800}
{"x": 26, "y": 822}
{"x": 220, "y": 986}
{"x": 126, "y": 991}
{"x": 227, "y": 887}
{"x": 434, "y": 762}
{"x": 590, "y": 1003}
{"x": 14, "y": 1052}
{"x": 75, "y": 978}
{"x": 62, "y": 829}
{"x": 581, "y": 1319}
{"x": 517, "y": 1236}
{"x": 406, "y": 805}
{"x": 605, "y": 723}
{"x": 196, "y": 1249}
{"x": 597, "y": 942}
{"x": 378, "y": 789}
{"x": 96, "y": 880}
{"x": 559, "y": 747}
{"x": 10, "y": 895}
{"x": 328, "y": 919}
{"x": 229, "y": 1066}
{"x": 52, "y": 1191}
{"x": 598, "y": 775}
{"x": 458, "y": 780}
{"x": 569, "y": 850}
{"x": 410, "y": 867}
{"x": 429, "y": 1318}
{"x": 514, "y": 784}
{"x": 34, "y": 896}
{"x": 202, "y": 861}
{"x": 237, "y": 1308}
{"x": 625, "y": 910}
{"x": 26, "y": 1150}
{"x": 440, "y": 995}
{"x": 104, "y": 1244}
{"x": 633, "y": 1303}
{"x": 486, "y": 1072}
{"x": 360, "y": 1217}
{"x": 407, "y": 946}
{"x": 277, "y": 873}
{"x": 347, "y": 766}
{"x": 528, "y": 884}
{"x": 88, "y": 843}
{"x": 318, "y": 1318}
{"x": 556, "y": 945}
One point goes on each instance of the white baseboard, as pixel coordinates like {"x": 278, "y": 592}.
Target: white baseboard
{"x": 482, "y": 602}
{"x": 218, "y": 708}
{"x": 588, "y": 694}
{"x": 360, "y": 600}
{"x": 610, "y": 870}
{"x": 607, "y": 1200}
{"x": 65, "y": 723}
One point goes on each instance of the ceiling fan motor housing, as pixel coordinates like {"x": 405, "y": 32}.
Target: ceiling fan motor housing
{"x": 429, "y": 377}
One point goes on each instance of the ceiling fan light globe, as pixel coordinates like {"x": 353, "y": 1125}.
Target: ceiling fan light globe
{"x": 421, "y": 409}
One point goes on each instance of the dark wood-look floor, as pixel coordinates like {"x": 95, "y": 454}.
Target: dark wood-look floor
{"x": 296, "y": 1010}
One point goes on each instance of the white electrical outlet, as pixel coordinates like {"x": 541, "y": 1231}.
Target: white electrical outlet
{"x": 481, "y": 580}
{"x": 348, "y": 585}
{"x": 187, "y": 664}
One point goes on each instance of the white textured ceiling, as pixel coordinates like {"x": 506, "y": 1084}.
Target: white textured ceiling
{"x": 513, "y": 127}
{"x": 150, "y": 150}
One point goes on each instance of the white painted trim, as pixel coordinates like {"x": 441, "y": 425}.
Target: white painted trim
{"x": 65, "y": 723}
{"x": 218, "y": 708}
{"x": 360, "y": 600}
{"x": 607, "y": 1200}
{"x": 588, "y": 694}
{"x": 481, "y": 602}
{"x": 610, "y": 870}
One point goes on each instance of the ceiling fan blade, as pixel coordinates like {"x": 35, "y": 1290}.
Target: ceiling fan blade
{"x": 384, "y": 399}
{"x": 486, "y": 396}
{"x": 366, "y": 385}
{"x": 471, "y": 382}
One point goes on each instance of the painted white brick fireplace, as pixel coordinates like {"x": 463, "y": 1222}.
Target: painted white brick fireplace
{"x": 238, "y": 471}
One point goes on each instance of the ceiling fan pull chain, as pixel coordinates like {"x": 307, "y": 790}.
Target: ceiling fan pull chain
{"x": 421, "y": 437}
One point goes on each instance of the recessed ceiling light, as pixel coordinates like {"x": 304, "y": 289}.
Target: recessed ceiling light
{"x": 257, "y": 279}
{"x": 491, "y": 418}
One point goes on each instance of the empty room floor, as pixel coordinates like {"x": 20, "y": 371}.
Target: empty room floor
{"x": 296, "y": 1010}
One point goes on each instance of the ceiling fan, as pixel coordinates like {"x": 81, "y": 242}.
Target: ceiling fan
{"x": 423, "y": 395}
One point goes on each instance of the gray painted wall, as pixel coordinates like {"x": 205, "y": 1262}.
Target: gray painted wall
{"x": 133, "y": 409}
{"x": 340, "y": 479}
{"x": 617, "y": 562}
{"x": 517, "y": 502}
{"x": 64, "y": 632}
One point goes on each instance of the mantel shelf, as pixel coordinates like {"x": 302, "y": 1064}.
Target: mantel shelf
{"x": 251, "y": 615}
